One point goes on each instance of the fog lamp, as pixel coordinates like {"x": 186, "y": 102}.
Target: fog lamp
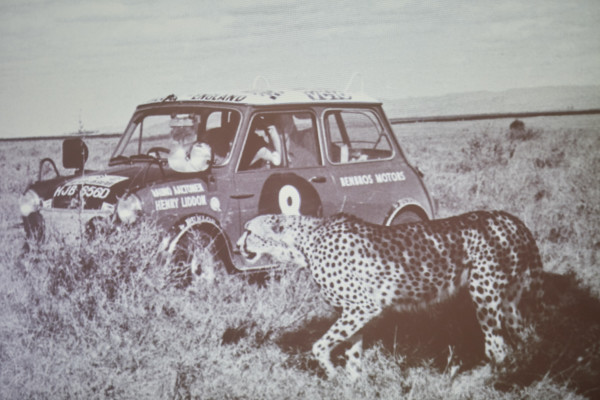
{"x": 29, "y": 202}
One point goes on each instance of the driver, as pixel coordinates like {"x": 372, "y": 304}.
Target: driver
{"x": 187, "y": 155}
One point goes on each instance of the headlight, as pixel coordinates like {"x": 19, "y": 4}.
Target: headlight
{"x": 29, "y": 202}
{"x": 129, "y": 208}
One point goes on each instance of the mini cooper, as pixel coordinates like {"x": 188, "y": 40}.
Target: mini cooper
{"x": 201, "y": 166}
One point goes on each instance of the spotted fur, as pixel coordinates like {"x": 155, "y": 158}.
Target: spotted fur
{"x": 364, "y": 268}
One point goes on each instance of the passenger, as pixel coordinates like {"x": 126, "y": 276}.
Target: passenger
{"x": 221, "y": 138}
{"x": 263, "y": 145}
{"x": 300, "y": 145}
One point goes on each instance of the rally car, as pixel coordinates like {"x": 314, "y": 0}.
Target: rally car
{"x": 202, "y": 166}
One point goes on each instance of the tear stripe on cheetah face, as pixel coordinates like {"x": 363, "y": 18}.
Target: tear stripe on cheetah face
{"x": 365, "y": 268}
{"x": 277, "y": 237}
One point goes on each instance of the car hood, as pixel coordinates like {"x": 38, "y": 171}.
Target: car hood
{"x": 100, "y": 190}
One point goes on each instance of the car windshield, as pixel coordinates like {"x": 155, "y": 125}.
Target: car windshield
{"x": 158, "y": 132}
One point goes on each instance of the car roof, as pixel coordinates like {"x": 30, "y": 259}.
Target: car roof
{"x": 271, "y": 97}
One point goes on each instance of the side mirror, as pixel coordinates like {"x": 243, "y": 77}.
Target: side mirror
{"x": 75, "y": 153}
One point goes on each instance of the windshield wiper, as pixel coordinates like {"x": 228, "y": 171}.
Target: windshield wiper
{"x": 120, "y": 159}
{"x": 143, "y": 157}
{"x": 151, "y": 159}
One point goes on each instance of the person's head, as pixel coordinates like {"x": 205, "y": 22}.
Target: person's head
{"x": 286, "y": 122}
{"x": 264, "y": 120}
{"x": 182, "y": 129}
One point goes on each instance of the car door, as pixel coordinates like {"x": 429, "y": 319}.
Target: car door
{"x": 369, "y": 174}
{"x": 296, "y": 183}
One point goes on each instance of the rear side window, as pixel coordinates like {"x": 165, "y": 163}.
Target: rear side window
{"x": 356, "y": 136}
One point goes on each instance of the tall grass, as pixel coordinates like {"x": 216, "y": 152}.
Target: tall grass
{"x": 103, "y": 320}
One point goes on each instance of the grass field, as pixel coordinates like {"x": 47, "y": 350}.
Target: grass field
{"x": 100, "y": 320}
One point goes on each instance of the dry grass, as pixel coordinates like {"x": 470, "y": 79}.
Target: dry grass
{"x": 101, "y": 320}
{"x": 547, "y": 177}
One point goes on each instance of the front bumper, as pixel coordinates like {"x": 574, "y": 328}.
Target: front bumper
{"x": 68, "y": 224}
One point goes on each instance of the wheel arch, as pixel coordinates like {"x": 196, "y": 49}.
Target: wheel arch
{"x": 205, "y": 223}
{"x": 405, "y": 205}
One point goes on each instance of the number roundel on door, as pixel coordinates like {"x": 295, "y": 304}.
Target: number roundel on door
{"x": 289, "y": 200}
{"x": 289, "y": 194}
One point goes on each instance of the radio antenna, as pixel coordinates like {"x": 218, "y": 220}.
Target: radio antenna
{"x": 257, "y": 80}
{"x": 351, "y": 81}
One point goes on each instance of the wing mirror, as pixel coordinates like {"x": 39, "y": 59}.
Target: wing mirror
{"x": 75, "y": 153}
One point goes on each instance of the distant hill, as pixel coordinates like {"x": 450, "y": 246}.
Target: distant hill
{"x": 514, "y": 100}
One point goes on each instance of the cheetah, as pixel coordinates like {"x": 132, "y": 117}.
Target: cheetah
{"x": 364, "y": 268}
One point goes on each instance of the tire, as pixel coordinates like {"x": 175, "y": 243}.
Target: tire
{"x": 405, "y": 217}
{"x": 196, "y": 253}
{"x": 95, "y": 227}
{"x": 34, "y": 227}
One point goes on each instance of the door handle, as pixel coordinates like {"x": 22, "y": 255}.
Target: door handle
{"x": 241, "y": 196}
{"x": 318, "y": 179}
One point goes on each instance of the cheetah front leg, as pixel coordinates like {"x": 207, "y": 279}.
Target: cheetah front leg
{"x": 344, "y": 329}
{"x": 354, "y": 357}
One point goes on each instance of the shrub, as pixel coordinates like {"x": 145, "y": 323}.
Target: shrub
{"x": 484, "y": 151}
{"x": 523, "y": 135}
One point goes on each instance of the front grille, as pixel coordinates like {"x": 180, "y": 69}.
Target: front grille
{"x": 69, "y": 224}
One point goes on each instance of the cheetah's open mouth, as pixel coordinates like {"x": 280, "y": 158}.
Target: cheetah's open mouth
{"x": 248, "y": 255}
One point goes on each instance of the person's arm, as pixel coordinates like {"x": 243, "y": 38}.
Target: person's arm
{"x": 272, "y": 156}
{"x": 276, "y": 139}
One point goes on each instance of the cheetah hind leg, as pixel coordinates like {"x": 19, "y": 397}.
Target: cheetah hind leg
{"x": 489, "y": 315}
{"x": 344, "y": 329}
{"x": 512, "y": 320}
{"x": 521, "y": 333}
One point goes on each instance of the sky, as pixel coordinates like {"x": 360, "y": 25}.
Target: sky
{"x": 65, "y": 61}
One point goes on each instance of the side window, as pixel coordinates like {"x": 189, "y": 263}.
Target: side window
{"x": 355, "y": 136}
{"x": 279, "y": 140}
{"x": 300, "y": 138}
{"x": 214, "y": 120}
{"x": 219, "y": 133}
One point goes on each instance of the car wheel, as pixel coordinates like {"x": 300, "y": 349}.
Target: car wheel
{"x": 196, "y": 253}
{"x": 404, "y": 217}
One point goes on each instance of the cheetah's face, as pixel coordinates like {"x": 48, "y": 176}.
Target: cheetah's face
{"x": 269, "y": 234}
